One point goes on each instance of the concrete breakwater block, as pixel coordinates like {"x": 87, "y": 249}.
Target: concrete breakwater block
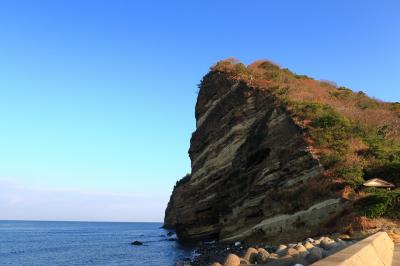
{"x": 374, "y": 250}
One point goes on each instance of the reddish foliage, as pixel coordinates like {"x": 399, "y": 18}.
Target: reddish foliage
{"x": 357, "y": 107}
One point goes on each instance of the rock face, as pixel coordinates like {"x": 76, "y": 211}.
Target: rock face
{"x": 253, "y": 174}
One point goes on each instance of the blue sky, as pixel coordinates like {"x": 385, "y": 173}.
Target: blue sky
{"x": 97, "y": 97}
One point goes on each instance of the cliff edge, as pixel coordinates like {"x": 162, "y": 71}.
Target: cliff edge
{"x": 277, "y": 155}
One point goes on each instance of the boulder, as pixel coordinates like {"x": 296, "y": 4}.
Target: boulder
{"x": 300, "y": 262}
{"x": 244, "y": 262}
{"x": 272, "y": 257}
{"x": 281, "y": 249}
{"x": 338, "y": 236}
{"x": 341, "y": 242}
{"x": 326, "y": 253}
{"x": 270, "y": 249}
{"x": 170, "y": 233}
{"x": 310, "y": 240}
{"x": 251, "y": 255}
{"x": 284, "y": 261}
{"x": 292, "y": 252}
{"x": 344, "y": 236}
{"x": 232, "y": 260}
{"x": 215, "y": 264}
{"x": 351, "y": 242}
{"x": 315, "y": 254}
{"x": 136, "y": 243}
{"x": 327, "y": 243}
{"x": 335, "y": 247}
{"x": 262, "y": 256}
{"x": 308, "y": 245}
{"x": 302, "y": 250}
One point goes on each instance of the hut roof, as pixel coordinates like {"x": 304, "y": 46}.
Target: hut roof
{"x": 376, "y": 182}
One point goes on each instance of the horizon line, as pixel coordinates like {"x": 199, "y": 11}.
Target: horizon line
{"x": 73, "y": 221}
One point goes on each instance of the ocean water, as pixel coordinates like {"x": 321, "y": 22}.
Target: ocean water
{"x": 87, "y": 243}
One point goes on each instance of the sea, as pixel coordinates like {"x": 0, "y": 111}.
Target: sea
{"x": 88, "y": 243}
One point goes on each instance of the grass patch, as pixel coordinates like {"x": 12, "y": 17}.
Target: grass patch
{"x": 380, "y": 203}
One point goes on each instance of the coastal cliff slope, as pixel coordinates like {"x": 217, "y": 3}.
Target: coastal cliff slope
{"x": 277, "y": 155}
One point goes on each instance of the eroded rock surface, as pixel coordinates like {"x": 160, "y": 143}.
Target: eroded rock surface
{"x": 253, "y": 175}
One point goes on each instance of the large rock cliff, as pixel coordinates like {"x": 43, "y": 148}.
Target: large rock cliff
{"x": 255, "y": 174}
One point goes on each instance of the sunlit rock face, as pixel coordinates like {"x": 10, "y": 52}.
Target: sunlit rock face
{"x": 253, "y": 175}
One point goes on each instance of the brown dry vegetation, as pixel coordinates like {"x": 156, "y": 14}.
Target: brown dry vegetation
{"x": 356, "y": 106}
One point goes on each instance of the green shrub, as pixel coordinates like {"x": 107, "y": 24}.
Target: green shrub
{"x": 328, "y": 83}
{"x": 393, "y": 171}
{"x": 381, "y": 203}
{"x": 240, "y": 68}
{"x": 387, "y": 170}
{"x": 395, "y": 107}
{"x": 271, "y": 75}
{"x": 321, "y": 115}
{"x": 352, "y": 175}
{"x": 343, "y": 88}
{"x": 364, "y": 102}
{"x": 329, "y": 161}
{"x": 302, "y": 77}
{"x": 380, "y": 147}
{"x": 309, "y": 109}
{"x": 329, "y": 120}
{"x": 375, "y": 206}
{"x": 342, "y": 93}
{"x": 328, "y": 128}
{"x": 376, "y": 147}
{"x": 268, "y": 65}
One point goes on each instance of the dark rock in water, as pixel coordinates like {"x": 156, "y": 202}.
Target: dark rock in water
{"x": 170, "y": 233}
{"x": 136, "y": 243}
{"x": 172, "y": 239}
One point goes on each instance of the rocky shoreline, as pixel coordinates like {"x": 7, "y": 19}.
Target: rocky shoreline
{"x": 306, "y": 252}
{"x": 239, "y": 253}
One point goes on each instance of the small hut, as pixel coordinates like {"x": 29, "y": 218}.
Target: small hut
{"x": 379, "y": 183}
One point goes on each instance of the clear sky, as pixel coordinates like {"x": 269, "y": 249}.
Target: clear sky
{"x": 97, "y": 97}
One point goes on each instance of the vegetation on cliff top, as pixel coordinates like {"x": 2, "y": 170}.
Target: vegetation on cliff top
{"x": 355, "y": 137}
